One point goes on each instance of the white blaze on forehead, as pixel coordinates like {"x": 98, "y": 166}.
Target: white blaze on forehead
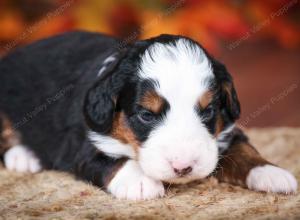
{"x": 182, "y": 73}
{"x": 182, "y": 70}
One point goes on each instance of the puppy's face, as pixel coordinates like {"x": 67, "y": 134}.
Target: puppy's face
{"x": 170, "y": 110}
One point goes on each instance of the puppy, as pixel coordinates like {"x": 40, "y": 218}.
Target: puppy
{"x": 127, "y": 119}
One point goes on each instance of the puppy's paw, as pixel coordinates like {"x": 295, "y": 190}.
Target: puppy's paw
{"x": 131, "y": 183}
{"x": 20, "y": 159}
{"x": 270, "y": 178}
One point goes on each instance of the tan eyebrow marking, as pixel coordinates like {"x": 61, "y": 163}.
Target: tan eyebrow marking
{"x": 206, "y": 99}
{"x": 152, "y": 101}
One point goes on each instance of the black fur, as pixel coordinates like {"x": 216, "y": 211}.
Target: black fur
{"x": 100, "y": 101}
{"x": 32, "y": 79}
{"x": 230, "y": 106}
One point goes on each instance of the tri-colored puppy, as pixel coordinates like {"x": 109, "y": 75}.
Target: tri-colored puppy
{"x": 127, "y": 119}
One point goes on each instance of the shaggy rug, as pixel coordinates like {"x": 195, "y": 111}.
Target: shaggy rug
{"x": 54, "y": 195}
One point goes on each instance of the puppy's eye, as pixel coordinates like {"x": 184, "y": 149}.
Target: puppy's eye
{"x": 146, "y": 116}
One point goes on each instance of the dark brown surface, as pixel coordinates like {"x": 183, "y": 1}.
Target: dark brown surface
{"x": 267, "y": 79}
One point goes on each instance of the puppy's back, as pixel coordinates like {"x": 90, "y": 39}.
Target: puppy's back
{"x": 42, "y": 86}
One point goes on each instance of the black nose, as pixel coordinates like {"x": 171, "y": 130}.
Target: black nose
{"x": 183, "y": 172}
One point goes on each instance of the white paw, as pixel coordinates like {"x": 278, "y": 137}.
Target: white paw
{"x": 131, "y": 183}
{"x": 20, "y": 159}
{"x": 270, "y": 178}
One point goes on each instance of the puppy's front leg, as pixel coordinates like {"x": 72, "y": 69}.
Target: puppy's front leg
{"x": 131, "y": 183}
{"x": 122, "y": 177}
{"x": 241, "y": 164}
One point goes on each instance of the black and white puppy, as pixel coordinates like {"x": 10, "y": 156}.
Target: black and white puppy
{"x": 127, "y": 119}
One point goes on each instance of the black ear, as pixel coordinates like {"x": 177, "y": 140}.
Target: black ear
{"x": 101, "y": 98}
{"x": 230, "y": 105}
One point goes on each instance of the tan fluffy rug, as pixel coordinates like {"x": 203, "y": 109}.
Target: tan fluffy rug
{"x": 53, "y": 195}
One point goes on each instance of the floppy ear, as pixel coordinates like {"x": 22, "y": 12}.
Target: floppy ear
{"x": 230, "y": 104}
{"x": 101, "y": 99}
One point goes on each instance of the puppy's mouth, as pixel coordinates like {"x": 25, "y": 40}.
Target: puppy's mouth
{"x": 182, "y": 178}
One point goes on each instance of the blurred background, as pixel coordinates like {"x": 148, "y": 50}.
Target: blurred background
{"x": 259, "y": 41}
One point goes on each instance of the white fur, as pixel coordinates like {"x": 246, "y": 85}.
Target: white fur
{"x": 103, "y": 68}
{"x": 223, "y": 143}
{"x": 105, "y": 63}
{"x": 270, "y": 178}
{"x": 131, "y": 183}
{"x": 182, "y": 73}
{"x": 21, "y": 159}
{"x": 109, "y": 59}
{"x": 111, "y": 146}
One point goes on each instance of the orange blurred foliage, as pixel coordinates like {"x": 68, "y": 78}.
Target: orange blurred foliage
{"x": 209, "y": 22}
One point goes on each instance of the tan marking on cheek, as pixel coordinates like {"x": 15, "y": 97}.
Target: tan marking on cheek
{"x": 8, "y": 136}
{"x": 206, "y": 99}
{"x": 122, "y": 132}
{"x": 152, "y": 101}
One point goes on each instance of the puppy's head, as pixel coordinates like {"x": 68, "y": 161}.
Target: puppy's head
{"x": 165, "y": 103}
